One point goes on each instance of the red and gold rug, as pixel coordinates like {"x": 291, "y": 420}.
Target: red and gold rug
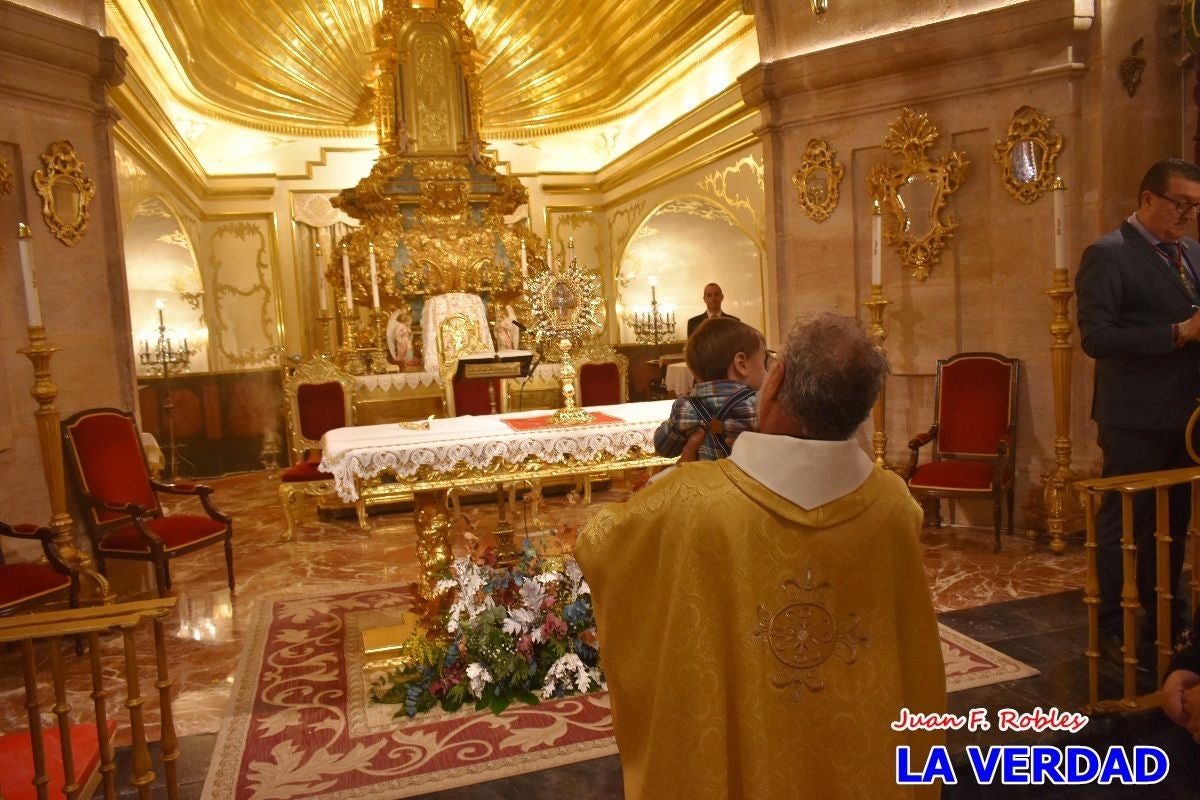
{"x": 300, "y": 724}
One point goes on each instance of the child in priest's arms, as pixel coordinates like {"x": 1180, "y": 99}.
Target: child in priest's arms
{"x": 729, "y": 360}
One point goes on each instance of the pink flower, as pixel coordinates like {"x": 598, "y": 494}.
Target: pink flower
{"x": 525, "y": 646}
{"x": 553, "y": 626}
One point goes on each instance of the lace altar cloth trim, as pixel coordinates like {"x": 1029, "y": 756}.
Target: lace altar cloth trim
{"x": 399, "y": 382}
{"x": 452, "y": 444}
{"x": 535, "y": 423}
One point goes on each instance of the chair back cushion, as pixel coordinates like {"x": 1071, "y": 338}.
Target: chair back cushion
{"x": 975, "y": 403}
{"x": 322, "y": 407}
{"x": 107, "y": 454}
{"x": 599, "y": 384}
{"x": 471, "y": 397}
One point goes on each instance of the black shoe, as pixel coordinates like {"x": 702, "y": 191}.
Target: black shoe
{"x": 1113, "y": 649}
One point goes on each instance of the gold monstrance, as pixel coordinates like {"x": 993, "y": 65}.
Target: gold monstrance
{"x": 564, "y": 300}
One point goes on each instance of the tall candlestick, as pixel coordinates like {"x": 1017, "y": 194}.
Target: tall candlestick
{"x": 321, "y": 278}
{"x": 524, "y": 263}
{"x": 346, "y": 276}
{"x": 374, "y": 277}
{"x": 876, "y": 245}
{"x": 1060, "y": 240}
{"x": 33, "y": 307}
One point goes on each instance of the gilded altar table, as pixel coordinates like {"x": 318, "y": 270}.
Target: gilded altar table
{"x": 471, "y": 451}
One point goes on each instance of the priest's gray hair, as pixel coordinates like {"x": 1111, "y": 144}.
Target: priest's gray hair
{"x": 832, "y": 375}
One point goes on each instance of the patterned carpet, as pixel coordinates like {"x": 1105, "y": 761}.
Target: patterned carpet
{"x": 300, "y": 723}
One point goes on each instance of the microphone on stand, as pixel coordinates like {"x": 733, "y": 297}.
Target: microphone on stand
{"x": 537, "y": 359}
{"x": 521, "y": 326}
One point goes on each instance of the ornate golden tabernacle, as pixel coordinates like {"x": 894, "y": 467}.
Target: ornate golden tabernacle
{"x": 434, "y": 204}
{"x": 917, "y": 191}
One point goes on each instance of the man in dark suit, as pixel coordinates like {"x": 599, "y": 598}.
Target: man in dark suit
{"x": 1138, "y": 319}
{"x": 712, "y": 301}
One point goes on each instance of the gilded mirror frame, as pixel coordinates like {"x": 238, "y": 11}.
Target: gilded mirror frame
{"x": 818, "y": 155}
{"x": 7, "y": 178}
{"x": 911, "y": 136}
{"x": 63, "y": 167}
{"x": 1032, "y": 126}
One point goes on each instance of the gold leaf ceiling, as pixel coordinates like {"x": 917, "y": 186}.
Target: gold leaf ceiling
{"x": 547, "y": 66}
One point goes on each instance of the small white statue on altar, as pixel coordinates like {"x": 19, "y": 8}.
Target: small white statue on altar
{"x": 399, "y": 337}
{"x": 508, "y": 335}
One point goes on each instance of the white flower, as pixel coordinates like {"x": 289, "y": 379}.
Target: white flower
{"x": 532, "y": 594}
{"x": 578, "y": 584}
{"x": 479, "y": 677}
{"x": 568, "y": 669}
{"x": 518, "y": 621}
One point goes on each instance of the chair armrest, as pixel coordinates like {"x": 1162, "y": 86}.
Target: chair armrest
{"x": 922, "y": 439}
{"x": 132, "y": 509}
{"x": 181, "y": 487}
{"x": 26, "y": 530}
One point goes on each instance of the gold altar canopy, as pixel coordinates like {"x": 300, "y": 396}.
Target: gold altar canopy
{"x": 434, "y": 204}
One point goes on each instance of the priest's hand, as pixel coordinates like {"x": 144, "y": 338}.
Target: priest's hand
{"x": 1181, "y": 696}
{"x": 691, "y": 450}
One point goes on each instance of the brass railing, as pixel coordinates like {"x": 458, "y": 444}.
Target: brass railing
{"x": 50, "y": 629}
{"x": 1128, "y": 487}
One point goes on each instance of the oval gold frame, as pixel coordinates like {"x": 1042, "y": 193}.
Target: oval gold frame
{"x": 818, "y": 155}
{"x": 63, "y": 169}
{"x": 1029, "y": 125}
{"x": 910, "y": 136}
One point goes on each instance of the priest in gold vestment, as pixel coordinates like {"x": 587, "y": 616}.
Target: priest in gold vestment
{"x": 764, "y": 618}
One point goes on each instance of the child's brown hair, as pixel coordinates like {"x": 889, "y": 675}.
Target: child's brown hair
{"x": 712, "y": 347}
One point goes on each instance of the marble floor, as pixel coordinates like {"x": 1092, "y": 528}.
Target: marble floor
{"x": 331, "y": 551}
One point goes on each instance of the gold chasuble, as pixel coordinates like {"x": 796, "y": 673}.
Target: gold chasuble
{"x": 755, "y": 649}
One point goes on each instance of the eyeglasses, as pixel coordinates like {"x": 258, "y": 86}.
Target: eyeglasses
{"x": 1182, "y": 207}
{"x": 771, "y": 359}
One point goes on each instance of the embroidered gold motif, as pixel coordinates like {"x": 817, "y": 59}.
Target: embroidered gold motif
{"x": 805, "y": 634}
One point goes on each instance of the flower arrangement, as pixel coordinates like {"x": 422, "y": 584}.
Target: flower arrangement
{"x": 500, "y": 633}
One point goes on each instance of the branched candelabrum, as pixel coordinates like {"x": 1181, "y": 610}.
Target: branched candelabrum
{"x": 653, "y": 326}
{"x": 165, "y": 358}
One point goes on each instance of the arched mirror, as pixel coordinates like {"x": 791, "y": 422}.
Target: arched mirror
{"x": 165, "y": 288}
{"x": 681, "y": 246}
{"x": 1027, "y": 154}
{"x": 917, "y": 192}
{"x": 66, "y": 192}
{"x": 818, "y": 179}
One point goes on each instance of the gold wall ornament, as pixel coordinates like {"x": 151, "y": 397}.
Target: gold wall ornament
{"x": 1027, "y": 154}
{"x": 917, "y": 191}
{"x": 817, "y": 180}
{"x": 7, "y": 185}
{"x": 66, "y": 192}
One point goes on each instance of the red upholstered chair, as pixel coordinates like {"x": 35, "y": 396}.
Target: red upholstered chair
{"x": 459, "y": 335}
{"x": 25, "y": 586}
{"x": 120, "y": 503}
{"x": 602, "y": 379}
{"x": 974, "y": 434}
{"x": 319, "y": 397}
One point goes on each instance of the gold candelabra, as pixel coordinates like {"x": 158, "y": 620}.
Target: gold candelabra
{"x": 1061, "y": 509}
{"x": 876, "y": 305}
{"x": 45, "y": 392}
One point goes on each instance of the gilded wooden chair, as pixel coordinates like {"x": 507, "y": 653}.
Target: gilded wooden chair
{"x": 458, "y": 336}
{"x": 121, "y": 509}
{"x": 974, "y": 434}
{"x": 30, "y": 585}
{"x": 319, "y": 397}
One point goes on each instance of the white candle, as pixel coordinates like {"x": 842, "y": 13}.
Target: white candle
{"x": 1060, "y": 241}
{"x": 321, "y": 279}
{"x": 374, "y": 277}
{"x": 876, "y": 249}
{"x": 549, "y": 254}
{"x": 160, "y": 304}
{"x": 653, "y": 283}
{"x": 346, "y": 277}
{"x": 570, "y": 248}
{"x": 524, "y": 263}
{"x": 33, "y": 308}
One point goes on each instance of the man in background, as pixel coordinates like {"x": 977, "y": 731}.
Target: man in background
{"x": 713, "y": 297}
{"x": 764, "y": 618}
{"x": 1138, "y": 319}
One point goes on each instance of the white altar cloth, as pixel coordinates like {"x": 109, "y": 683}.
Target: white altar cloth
{"x": 679, "y": 379}
{"x": 365, "y": 451}
{"x": 400, "y": 381}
